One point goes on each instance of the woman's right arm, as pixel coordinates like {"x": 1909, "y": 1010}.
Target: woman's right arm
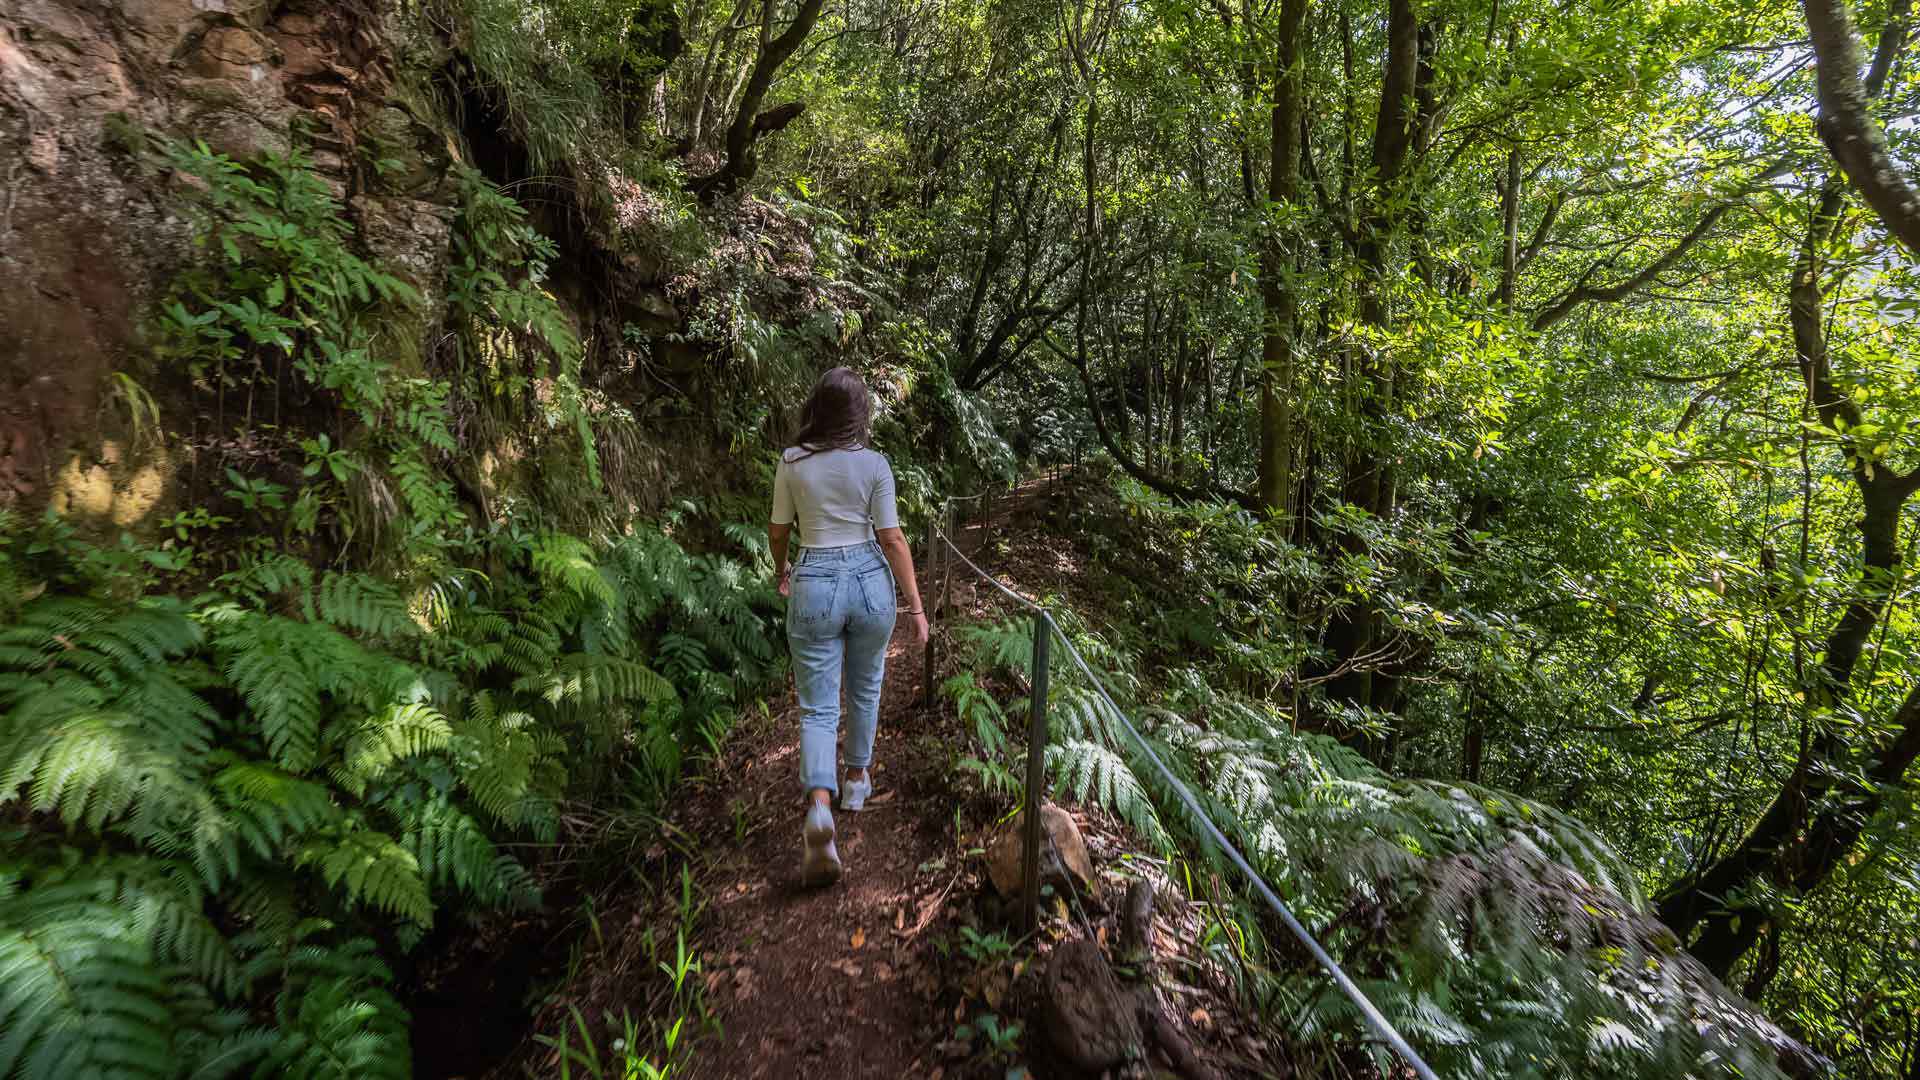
{"x": 893, "y": 544}
{"x": 885, "y": 512}
{"x": 777, "y": 540}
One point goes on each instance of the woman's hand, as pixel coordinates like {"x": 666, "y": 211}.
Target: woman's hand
{"x": 786, "y": 582}
{"x": 917, "y": 626}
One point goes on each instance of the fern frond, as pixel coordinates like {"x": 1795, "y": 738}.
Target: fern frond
{"x": 1093, "y": 772}
{"x": 400, "y": 731}
{"x": 266, "y": 662}
{"x": 681, "y": 656}
{"x": 104, "y": 641}
{"x": 179, "y": 717}
{"x": 268, "y": 576}
{"x": 511, "y": 770}
{"x": 371, "y": 868}
{"x": 336, "y": 1017}
{"x": 566, "y": 562}
{"x": 80, "y": 992}
{"x": 591, "y": 681}
{"x": 269, "y": 808}
{"x": 452, "y": 849}
{"x": 166, "y": 908}
{"x": 531, "y": 646}
{"x": 90, "y": 768}
{"x": 1006, "y": 646}
{"x": 364, "y": 604}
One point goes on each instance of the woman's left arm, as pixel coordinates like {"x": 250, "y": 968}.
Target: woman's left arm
{"x": 780, "y": 526}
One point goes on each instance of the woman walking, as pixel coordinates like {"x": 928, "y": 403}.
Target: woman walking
{"x": 840, "y": 597}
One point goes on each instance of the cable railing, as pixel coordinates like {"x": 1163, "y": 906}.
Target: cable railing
{"x": 942, "y": 550}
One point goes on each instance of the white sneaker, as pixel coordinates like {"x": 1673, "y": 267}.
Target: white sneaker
{"x": 853, "y": 794}
{"x": 819, "y": 861}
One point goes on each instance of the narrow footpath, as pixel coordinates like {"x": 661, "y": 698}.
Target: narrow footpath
{"x": 806, "y": 979}
{"x": 839, "y": 980}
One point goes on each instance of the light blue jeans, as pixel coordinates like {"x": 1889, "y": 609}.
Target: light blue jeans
{"x": 840, "y": 613}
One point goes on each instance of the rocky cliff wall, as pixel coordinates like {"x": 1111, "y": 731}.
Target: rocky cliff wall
{"x": 90, "y": 231}
{"x": 387, "y": 100}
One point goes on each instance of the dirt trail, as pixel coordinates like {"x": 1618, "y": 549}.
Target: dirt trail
{"x": 837, "y": 978}
{"x": 803, "y": 978}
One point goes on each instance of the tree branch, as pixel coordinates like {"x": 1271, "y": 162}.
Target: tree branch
{"x": 1851, "y": 134}
{"x": 1571, "y": 300}
{"x": 1126, "y": 461}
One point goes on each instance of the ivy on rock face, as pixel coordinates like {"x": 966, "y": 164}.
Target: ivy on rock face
{"x": 233, "y": 808}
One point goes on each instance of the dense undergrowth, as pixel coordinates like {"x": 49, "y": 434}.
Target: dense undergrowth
{"x": 237, "y": 778}
{"x": 1568, "y": 371}
{"x": 1500, "y": 934}
{"x": 242, "y": 800}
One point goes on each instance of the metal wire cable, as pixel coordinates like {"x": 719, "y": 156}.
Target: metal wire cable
{"x": 1371, "y": 1013}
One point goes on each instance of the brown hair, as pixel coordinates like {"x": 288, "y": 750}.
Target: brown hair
{"x": 838, "y": 414}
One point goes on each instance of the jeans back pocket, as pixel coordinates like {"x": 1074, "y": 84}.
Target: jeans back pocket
{"x": 810, "y": 601}
{"x": 876, "y": 589}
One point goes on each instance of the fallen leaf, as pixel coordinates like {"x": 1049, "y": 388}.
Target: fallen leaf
{"x": 859, "y": 936}
{"x": 883, "y": 972}
{"x": 1200, "y": 1017}
{"x": 899, "y": 918}
{"x": 1100, "y": 935}
{"x": 994, "y": 991}
{"x": 741, "y": 887}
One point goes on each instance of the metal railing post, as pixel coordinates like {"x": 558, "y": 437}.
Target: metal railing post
{"x": 946, "y": 565}
{"x": 1036, "y": 775}
{"x": 933, "y": 561}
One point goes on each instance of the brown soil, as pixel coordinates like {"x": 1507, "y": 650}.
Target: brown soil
{"x": 805, "y": 978}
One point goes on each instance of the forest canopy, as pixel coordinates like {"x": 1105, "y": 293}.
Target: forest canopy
{"x": 1575, "y": 343}
{"x": 1512, "y": 410}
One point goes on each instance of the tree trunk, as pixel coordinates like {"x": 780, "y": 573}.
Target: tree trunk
{"x": 1473, "y": 745}
{"x": 1277, "y": 263}
{"x": 1510, "y": 221}
{"x": 1351, "y": 631}
{"x": 746, "y": 128}
{"x": 1820, "y": 810}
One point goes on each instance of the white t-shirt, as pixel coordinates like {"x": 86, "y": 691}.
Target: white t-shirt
{"x": 839, "y": 497}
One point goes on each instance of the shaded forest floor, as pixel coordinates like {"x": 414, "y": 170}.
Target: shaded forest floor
{"x": 876, "y": 975}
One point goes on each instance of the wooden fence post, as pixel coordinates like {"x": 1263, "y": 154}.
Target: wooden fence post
{"x": 1036, "y": 775}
